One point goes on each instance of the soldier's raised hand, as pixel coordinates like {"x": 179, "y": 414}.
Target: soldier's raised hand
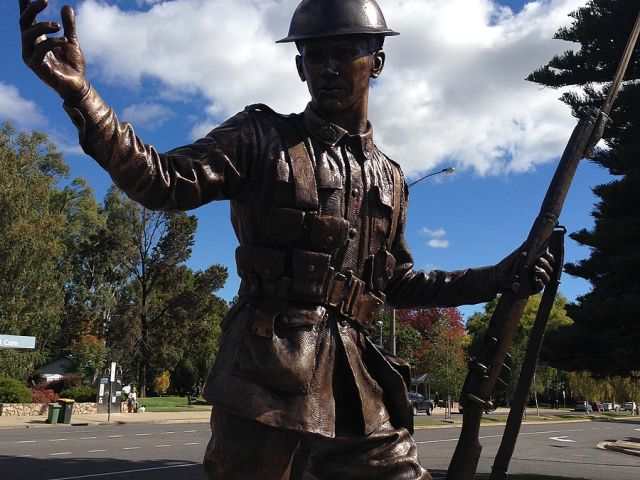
{"x": 58, "y": 61}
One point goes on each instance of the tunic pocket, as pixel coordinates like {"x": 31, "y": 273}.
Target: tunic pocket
{"x": 286, "y": 359}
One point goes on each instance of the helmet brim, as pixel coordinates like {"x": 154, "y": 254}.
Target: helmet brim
{"x": 339, "y": 32}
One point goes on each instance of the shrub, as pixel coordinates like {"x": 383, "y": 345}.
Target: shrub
{"x": 81, "y": 393}
{"x": 13, "y": 391}
{"x": 43, "y": 395}
{"x": 65, "y": 383}
{"x": 161, "y": 382}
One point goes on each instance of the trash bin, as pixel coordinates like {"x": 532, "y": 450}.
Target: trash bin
{"x": 54, "y": 413}
{"x": 66, "y": 410}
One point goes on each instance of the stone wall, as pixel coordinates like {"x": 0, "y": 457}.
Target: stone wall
{"x": 28, "y": 409}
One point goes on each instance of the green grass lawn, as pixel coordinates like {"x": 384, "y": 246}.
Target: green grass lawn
{"x": 172, "y": 404}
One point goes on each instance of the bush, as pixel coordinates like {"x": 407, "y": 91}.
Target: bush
{"x": 43, "y": 395}
{"x": 65, "y": 383}
{"x": 13, "y": 391}
{"x": 82, "y": 393}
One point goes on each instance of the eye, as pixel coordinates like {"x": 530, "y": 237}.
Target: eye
{"x": 313, "y": 55}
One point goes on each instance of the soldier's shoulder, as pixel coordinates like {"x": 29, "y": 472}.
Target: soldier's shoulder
{"x": 265, "y": 111}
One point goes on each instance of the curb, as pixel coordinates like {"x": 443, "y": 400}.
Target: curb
{"x": 620, "y": 446}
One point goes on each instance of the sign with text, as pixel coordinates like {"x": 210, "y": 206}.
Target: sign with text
{"x": 16, "y": 341}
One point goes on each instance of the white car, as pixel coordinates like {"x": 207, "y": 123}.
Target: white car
{"x": 630, "y": 406}
{"x": 611, "y": 407}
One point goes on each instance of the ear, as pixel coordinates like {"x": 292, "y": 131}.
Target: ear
{"x": 378, "y": 63}
{"x": 300, "y": 68}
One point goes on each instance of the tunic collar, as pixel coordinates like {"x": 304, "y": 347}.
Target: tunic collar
{"x": 331, "y": 134}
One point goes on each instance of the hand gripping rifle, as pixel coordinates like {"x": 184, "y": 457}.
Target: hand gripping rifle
{"x": 486, "y": 366}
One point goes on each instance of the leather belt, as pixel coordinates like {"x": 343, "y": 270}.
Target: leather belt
{"x": 344, "y": 294}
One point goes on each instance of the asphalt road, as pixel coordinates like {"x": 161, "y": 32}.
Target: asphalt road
{"x": 174, "y": 451}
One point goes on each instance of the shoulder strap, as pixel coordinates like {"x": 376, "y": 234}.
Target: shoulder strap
{"x": 398, "y": 182}
{"x": 302, "y": 168}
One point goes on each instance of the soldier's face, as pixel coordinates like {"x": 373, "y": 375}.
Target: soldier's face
{"x": 337, "y": 71}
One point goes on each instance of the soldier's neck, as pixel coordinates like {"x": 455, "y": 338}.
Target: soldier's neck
{"x": 354, "y": 120}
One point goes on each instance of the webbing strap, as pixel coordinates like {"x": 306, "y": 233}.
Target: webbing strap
{"x": 304, "y": 179}
{"x": 397, "y": 199}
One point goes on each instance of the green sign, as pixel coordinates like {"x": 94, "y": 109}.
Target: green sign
{"x": 16, "y": 341}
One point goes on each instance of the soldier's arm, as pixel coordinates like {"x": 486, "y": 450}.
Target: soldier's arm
{"x": 212, "y": 168}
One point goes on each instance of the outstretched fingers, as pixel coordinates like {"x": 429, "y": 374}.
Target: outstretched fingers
{"x": 69, "y": 24}
{"x": 29, "y": 11}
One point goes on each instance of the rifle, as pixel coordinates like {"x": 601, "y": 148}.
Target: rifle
{"x": 486, "y": 366}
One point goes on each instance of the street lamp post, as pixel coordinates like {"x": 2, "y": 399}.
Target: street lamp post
{"x": 392, "y": 326}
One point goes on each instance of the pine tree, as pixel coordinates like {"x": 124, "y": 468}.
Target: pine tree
{"x": 606, "y": 332}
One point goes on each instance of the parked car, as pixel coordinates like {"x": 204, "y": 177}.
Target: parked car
{"x": 598, "y": 406}
{"x": 420, "y": 404}
{"x": 611, "y": 407}
{"x": 631, "y": 406}
{"x": 583, "y": 406}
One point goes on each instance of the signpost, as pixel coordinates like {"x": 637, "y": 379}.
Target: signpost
{"x": 16, "y": 341}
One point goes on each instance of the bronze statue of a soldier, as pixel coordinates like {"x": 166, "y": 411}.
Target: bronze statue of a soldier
{"x": 319, "y": 212}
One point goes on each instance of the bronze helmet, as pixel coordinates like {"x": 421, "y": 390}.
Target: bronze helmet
{"x": 327, "y": 18}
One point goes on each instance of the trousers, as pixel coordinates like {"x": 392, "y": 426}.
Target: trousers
{"x": 244, "y": 449}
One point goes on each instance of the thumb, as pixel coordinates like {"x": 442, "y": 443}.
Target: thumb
{"x": 69, "y": 24}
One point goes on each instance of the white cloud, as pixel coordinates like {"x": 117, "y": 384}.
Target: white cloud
{"x": 147, "y": 115}
{"x": 438, "y": 243}
{"x": 436, "y": 235}
{"x": 453, "y": 89}
{"x": 24, "y": 114}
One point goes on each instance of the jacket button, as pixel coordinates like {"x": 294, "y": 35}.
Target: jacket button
{"x": 352, "y": 233}
{"x": 329, "y": 239}
{"x": 355, "y": 192}
{"x": 311, "y": 268}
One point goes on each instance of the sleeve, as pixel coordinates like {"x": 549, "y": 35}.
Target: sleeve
{"x": 213, "y": 168}
{"x": 408, "y": 288}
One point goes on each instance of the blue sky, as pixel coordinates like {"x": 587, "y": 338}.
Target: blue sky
{"x": 452, "y": 93}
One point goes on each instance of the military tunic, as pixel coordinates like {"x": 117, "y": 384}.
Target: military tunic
{"x": 319, "y": 215}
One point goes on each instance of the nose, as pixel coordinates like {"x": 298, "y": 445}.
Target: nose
{"x": 330, "y": 66}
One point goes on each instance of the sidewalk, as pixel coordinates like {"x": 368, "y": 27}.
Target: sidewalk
{"x": 39, "y": 421}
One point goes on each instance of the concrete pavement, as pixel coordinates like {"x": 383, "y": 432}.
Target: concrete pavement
{"x": 197, "y": 415}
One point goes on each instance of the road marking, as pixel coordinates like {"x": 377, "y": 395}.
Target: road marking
{"x": 116, "y": 436}
{"x": 60, "y": 453}
{"x": 26, "y": 441}
{"x": 131, "y": 448}
{"x": 500, "y": 436}
{"x": 96, "y": 451}
{"x": 166, "y": 433}
{"x": 190, "y": 431}
{"x": 87, "y": 438}
{"x": 636, "y": 429}
{"x": 58, "y": 440}
{"x": 563, "y": 438}
{"x": 142, "y": 434}
{"x": 162, "y": 446}
{"x": 192, "y": 443}
{"x": 22, "y": 456}
{"x": 121, "y": 472}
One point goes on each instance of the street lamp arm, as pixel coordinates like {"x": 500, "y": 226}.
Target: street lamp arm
{"x": 444, "y": 170}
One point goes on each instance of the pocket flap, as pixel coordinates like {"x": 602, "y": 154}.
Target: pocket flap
{"x": 310, "y": 265}
{"x": 328, "y": 232}
{"x": 268, "y": 263}
{"x": 244, "y": 260}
